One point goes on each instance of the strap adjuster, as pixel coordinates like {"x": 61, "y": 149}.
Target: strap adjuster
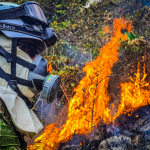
{"x": 13, "y": 84}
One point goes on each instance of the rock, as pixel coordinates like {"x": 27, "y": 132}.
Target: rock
{"x": 138, "y": 139}
{"x": 71, "y": 147}
{"x": 145, "y": 128}
{"x": 147, "y": 137}
{"x": 148, "y": 147}
{"x": 116, "y": 143}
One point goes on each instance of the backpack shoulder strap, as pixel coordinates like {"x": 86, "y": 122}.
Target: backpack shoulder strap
{"x": 12, "y": 79}
{"x": 5, "y": 54}
{"x": 19, "y": 61}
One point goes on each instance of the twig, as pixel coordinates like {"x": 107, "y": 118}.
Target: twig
{"x": 108, "y": 145}
{"x": 93, "y": 108}
{"x": 88, "y": 145}
{"x": 114, "y": 74}
{"x": 95, "y": 93}
{"x": 70, "y": 78}
{"x": 64, "y": 93}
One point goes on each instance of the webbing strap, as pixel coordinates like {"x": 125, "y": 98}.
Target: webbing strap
{"x": 25, "y": 63}
{"x": 22, "y": 81}
{"x": 16, "y": 89}
{"x": 26, "y": 100}
{"x": 12, "y": 13}
{"x": 5, "y": 54}
{"x": 4, "y": 75}
{"x": 19, "y": 61}
{"x": 12, "y": 81}
{"x": 13, "y": 56}
{"x": 22, "y": 62}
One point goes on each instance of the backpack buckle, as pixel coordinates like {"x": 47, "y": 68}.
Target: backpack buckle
{"x": 12, "y": 84}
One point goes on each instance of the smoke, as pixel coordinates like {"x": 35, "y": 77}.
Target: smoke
{"x": 76, "y": 56}
{"x": 47, "y": 112}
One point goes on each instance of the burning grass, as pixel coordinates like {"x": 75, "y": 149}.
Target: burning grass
{"x": 89, "y": 105}
{"x": 133, "y": 94}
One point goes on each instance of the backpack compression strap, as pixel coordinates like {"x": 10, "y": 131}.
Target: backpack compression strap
{"x": 19, "y": 61}
{"x": 12, "y": 82}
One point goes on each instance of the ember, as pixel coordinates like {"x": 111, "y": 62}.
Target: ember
{"x": 89, "y": 105}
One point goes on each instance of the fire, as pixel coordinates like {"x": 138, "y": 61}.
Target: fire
{"x": 133, "y": 95}
{"x": 90, "y": 103}
{"x": 106, "y": 29}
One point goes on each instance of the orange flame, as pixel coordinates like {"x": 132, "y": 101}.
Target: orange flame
{"x": 106, "y": 29}
{"x": 90, "y": 103}
{"x": 132, "y": 94}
